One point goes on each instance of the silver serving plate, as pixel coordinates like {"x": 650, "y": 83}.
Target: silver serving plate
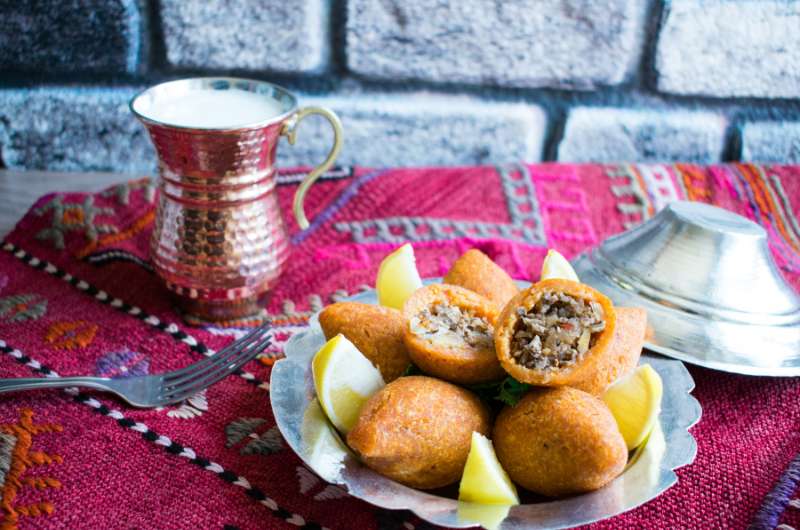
{"x": 712, "y": 291}
{"x": 649, "y": 473}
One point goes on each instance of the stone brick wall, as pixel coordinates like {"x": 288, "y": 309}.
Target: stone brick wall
{"x": 417, "y": 82}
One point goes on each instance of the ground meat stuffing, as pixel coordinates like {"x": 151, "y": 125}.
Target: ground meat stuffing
{"x": 445, "y": 323}
{"x": 556, "y": 332}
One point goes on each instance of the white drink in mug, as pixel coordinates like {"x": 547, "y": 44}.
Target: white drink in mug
{"x": 214, "y": 109}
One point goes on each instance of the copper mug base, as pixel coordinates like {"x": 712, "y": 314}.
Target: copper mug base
{"x": 219, "y": 241}
{"x": 244, "y": 309}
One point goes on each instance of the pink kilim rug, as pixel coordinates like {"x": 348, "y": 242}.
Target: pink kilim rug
{"x": 77, "y": 296}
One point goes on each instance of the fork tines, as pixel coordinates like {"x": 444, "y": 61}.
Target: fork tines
{"x": 188, "y": 381}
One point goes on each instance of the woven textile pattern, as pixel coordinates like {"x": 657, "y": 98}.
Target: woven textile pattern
{"x": 77, "y": 296}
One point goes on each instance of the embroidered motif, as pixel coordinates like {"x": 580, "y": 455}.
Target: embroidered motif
{"x": 122, "y": 363}
{"x": 330, "y": 492}
{"x": 23, "y": 459}
{"x": 71, "y": 218}
{"x": 638, "y": 208}
{"x": 694, "y": 182}
{"x": 21, "y": 307}
{"x": 69, "y": 335}
{"x": 123, "y": 191}
{"x": 193, "y": 407}
{"x": 771, "y": 204}
{"x": 137, "y": 226}
{"x": 786, "y": 210}
{"x": 308, "y": 481}
{"x": 523, "y": 209}
{"x": 267, "y": 443}
{"x": 765, "y": 204}
{"x": 7, "y": 443}
{"x": 238, "y": 430}
{"x": 290, "y": 308}
{"x": 565, "y": 211}
{"x": 341, "y": 294}
{"x": 660, "y": 187}
{"x": 795, "y": 503}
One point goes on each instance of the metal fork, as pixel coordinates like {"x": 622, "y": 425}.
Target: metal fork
{"x": 162, "y": 389}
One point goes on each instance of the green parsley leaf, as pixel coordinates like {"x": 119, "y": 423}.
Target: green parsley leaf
{"x": 511, "y": 391}
{"x": 508, "y": 391}
{"x": 412, "y": 369}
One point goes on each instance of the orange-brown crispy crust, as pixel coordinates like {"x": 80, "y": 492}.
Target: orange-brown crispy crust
{"x": 475, "y": 271}
{"x": 559, "y": 441}
{"x": 418, "y": 430}
{"x": 375, "y": 330}
{"x": 464, "y": 365}
{"x": 623, "y": 354}
{"x": 581, "y": 370}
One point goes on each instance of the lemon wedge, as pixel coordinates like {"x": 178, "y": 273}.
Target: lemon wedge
{"x": 344, "y": 380}
{"x": 556, "y": 266}
{"x": 486, "y": 515}
{"x": 320, "y": 445}
{"x": 635, "y": 402}
{"x": 397, "y": 277}
{"x": 484, "y": 480}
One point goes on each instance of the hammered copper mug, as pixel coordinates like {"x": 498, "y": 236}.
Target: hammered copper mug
{"x": 219, "y": 241}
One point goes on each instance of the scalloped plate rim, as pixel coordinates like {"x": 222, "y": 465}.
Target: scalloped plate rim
{"x": 680, "y": 384}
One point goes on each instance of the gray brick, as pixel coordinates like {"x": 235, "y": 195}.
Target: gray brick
{"x": 622, "y": 135}
{"x": 72, "y": 129}
{"x": 723, "y": 48}
{"x": 276, "y": 35}
{"x": 525, "y": 43}
{"x": 92, "y": 129}
{"x": 420, "y": 129}
{"x": 70, "y": 35}
{"x": 771, "y": 141}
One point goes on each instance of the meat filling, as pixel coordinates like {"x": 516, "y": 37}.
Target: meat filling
{"x": 447, "y": 324}
{"x": 556, "y": 332}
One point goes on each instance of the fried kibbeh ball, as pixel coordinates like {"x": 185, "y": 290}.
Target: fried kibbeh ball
{"x": 476, "y": 271}
{"x": 450, "y": 334}
{"x": 376, "y": 331}
{"x": 559, "y": 441}
{"x": 555, "y": 333}
{"x": 418, "y": 430}
{"x": 623, "y": 354}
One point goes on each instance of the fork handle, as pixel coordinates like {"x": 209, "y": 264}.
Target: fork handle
{"x": 32, "y": 383}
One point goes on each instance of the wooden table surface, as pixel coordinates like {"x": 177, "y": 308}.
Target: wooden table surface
{"x": 20, "y": 189}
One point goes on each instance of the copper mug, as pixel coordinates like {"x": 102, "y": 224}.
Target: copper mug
{"x": 219, "y": 241}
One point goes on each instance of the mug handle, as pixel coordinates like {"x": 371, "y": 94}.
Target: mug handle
{"x": 290, "y": 131}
